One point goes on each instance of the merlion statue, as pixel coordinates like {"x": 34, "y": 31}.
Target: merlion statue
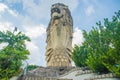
{"x": 59, "y": 37}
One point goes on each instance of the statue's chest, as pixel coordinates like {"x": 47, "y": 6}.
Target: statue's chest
{"x": 58, "y": 27}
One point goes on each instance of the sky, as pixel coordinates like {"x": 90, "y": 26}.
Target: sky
{"x": 32, "y": 17}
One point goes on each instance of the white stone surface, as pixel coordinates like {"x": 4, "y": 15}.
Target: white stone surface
{"x": 72, "y": 75}
{"x": 109, "y": 79}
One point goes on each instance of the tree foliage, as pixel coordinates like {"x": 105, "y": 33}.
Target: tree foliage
{"x": 102, "y": 45}
{"x": 97, "y": 47}
{"x": 112, "y": 58}
{"x": 79, "y": 56}
{"x": 13, "y": 54}
{"x": 31, "y": 67}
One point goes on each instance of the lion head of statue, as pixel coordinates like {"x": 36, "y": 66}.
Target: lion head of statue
{"x": 60, "y": 10}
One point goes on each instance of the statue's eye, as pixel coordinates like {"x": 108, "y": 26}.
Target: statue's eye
{"x": 58, "y": 10}
{"x": 55, "y": 10}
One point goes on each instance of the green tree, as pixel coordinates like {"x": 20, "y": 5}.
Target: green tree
{"x": 112, "y": 58}
{"x": 79, "y": 55}
{"x": 102, "y": 45}
{"x": 13, "y": 54}
{"x": 96, "y": 48}
{"x": 31, "y": 67}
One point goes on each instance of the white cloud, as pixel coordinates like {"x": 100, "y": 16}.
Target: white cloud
{"x": 4, "y": 8}
{"x": 12, "y": 12}
{"x": 6, "y": 26}
{"x": 35, "y": 56}
{"x": 35, "y": 31}
{"x": 89, "y": 11}
{"x": 37, "y": 11}
{"x": 77, "y": 37}
{"x": 27, "y": 20}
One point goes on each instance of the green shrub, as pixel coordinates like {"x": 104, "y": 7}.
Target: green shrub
{"x": 102, "y": 47}
{"x": 79, "y": 56}
{"x": 13, "y": 54}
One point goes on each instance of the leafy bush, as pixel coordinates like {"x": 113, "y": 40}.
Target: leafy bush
{"x": 32, "y": 67}
{"x": 79, "y": 55}
{"x": 102, "y": 45}
{"x": 13, "y": 54}
{"x": 96, "y": 47}
{"x": 112, "y": 59}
